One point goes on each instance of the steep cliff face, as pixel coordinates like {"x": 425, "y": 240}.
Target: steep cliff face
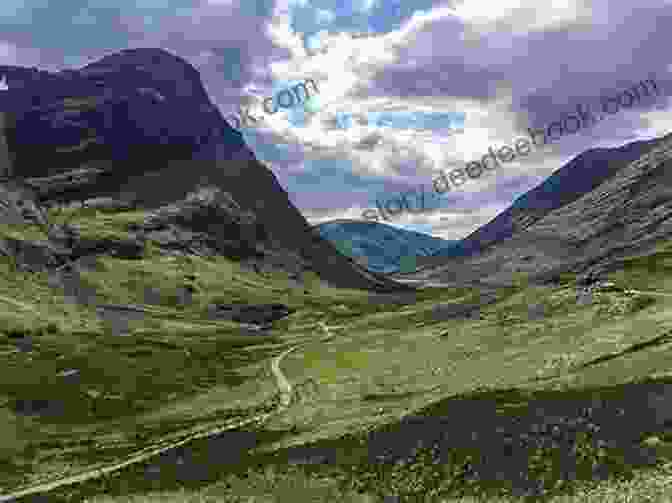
{"x": 626, "y": 215}
{"x": 137, "y": 126}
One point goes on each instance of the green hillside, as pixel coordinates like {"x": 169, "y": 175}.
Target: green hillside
{"x": 178, "y": 373}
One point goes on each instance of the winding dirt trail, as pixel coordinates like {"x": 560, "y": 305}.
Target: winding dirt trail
{"x": 286, "y": 393}
{"x": 285, "y": 389}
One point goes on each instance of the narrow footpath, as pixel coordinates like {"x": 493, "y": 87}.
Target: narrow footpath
{"x": 286, "y": 391}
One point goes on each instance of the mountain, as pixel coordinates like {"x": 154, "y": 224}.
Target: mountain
{"x": 579, "y": 176}
{"x": 603, "y": 206}
{"x": 138, "y": 128}
{"x": 380, "y": 247}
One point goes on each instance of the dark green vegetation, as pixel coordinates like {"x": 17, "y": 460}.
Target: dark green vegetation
{"x": 503, "y": 404}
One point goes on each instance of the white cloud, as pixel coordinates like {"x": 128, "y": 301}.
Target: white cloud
{"x": 357, "y": 60}
{"x": 521, "y": 16}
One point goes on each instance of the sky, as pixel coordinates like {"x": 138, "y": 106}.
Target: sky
{"x": 392, "y": 77}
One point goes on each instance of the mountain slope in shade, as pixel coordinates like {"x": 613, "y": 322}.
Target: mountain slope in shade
{"x": 627, "y": 215}
{"x": 138, "y": 126}
{"x": 380, "y": 247}
{"x": 577, "y": 177}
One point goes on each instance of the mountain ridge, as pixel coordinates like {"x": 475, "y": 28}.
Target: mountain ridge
{"x": 626, "y": 213}
{"x": 562, "y": 187}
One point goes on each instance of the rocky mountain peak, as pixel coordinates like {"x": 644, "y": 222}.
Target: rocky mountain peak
{"x": 137, "y": 128}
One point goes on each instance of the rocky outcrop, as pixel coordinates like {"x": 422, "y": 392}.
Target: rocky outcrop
{"x": 138, "y": 128}
{"x": 208, "y": 220}
{"x": 18, "y": 208}
{"x": 626, "y": 215}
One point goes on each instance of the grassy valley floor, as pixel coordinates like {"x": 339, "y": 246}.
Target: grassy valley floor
{"x": 538, "y": 396}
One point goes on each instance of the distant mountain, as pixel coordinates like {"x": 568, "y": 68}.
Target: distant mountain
{"x": 138, "y": 127}
{"x": 577, "y": 177}
{"x": 380, "y": 247}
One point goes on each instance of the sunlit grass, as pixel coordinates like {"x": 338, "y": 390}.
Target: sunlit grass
{"x": 177, "y": 369}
